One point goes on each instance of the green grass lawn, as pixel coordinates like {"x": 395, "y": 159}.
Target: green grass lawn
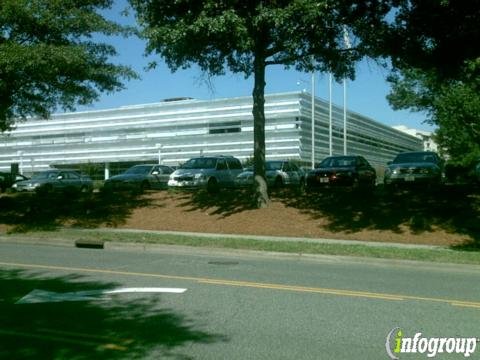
{"x": 435, "y": 254}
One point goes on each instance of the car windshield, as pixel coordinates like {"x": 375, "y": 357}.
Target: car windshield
{"x": 45, "y": 175}
{"x": 336, "y": 162}
{"x": 200, "y": 163}
{"x": 415, "y": 158}
{"x": 142, "y": 169}
{"x": 273, "y": 165}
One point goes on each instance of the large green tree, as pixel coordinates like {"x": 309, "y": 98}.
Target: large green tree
{"x": 246, "y": 36}
{"x": 433, "y": 48}
{"x": 438, "y": 35}
{"x": 49, "y": 58}
{"x": 453, "y": 105}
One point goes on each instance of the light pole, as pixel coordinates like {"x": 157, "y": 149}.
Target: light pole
{"x": 159, "y": 150}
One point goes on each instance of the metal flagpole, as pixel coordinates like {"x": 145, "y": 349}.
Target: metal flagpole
{"x": 344, "y": 116}
{"x": 313, "y": 119}
{"x": 330, "y": 125}
{"x": 346, "y": 40}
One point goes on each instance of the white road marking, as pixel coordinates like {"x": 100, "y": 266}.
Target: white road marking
{"x": 42, "y": 296}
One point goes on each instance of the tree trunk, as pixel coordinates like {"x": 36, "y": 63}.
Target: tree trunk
{"x": 259, "y": 131}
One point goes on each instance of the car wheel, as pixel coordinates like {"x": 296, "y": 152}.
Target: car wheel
{"x": 212, "y": 185}
{"x": 278, "y": 182}
{"x": 389, "y": 189}
{"x": 301, "y": 185}
{"x": 355, "y": 183}
{"x": 45, "y": 189}
{"x": 145, "y": 185}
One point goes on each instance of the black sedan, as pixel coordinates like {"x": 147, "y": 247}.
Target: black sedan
{"x": 352, "y": 171}
{"x": 55, "y": 180}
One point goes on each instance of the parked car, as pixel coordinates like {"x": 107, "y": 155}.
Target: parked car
{"x": 140, "y": 177}
{"x": 7, "y": 180}
{"x": 351, "y": 171}
{"x": 55, "y": 180}
{"x": 278, "y": 173}
{"x": 462, "y": 174}
{"x": 209, "y": 172}
{"x": 419, "y": 167}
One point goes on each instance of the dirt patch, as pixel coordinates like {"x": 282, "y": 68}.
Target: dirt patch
{"x": 446, "y": 218}
{"x": 177, "y": 212}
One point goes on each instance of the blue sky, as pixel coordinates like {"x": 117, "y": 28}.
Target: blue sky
{"x": 365, "y": 95}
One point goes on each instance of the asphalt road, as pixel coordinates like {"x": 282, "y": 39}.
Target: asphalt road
{"x": 237, "y": 305}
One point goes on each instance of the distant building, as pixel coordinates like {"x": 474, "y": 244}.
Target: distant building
{"x": 171, "y": 132}
{"x": 428, "y": 143}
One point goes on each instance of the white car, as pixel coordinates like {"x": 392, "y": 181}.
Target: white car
{"x": 210, "y": 172}
{"x": 278, "y": 173}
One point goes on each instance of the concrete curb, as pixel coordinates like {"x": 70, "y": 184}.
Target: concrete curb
{"x": 233, "y": 253}
{"x": 87, "y": 243}
{"x": 274, "y": 238}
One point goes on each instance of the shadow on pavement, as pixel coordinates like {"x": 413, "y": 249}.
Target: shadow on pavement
{"x": 28, "y": 212}
{"x": 109, "y": 329}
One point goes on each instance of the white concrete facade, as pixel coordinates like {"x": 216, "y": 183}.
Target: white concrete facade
{"x": 174, "y": 131}
{"x": 429, "y": 143}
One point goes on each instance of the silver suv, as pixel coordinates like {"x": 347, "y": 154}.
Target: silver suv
{"x": 209, "y": 172}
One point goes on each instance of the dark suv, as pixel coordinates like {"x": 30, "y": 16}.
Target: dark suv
{"x": 209, "y": 172}
{"x": 419, "y": 167}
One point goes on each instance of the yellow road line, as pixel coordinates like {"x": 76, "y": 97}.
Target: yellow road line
{"x": 463, "y": 304}
{"x": 338, "y": 292}
{"x": 304, "y": 289}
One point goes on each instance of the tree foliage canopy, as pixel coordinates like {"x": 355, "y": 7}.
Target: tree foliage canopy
{"x": 437, "y": 69}
{"x": 452, "y": 105}
{"x": 246, "y": 36}
{"x": 48, "y": 57}
{"x": 230, "y": 33}
{"x": 439, "y": 35}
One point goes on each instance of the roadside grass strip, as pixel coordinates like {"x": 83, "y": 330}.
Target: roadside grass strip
{"x": 389, "y": 251}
